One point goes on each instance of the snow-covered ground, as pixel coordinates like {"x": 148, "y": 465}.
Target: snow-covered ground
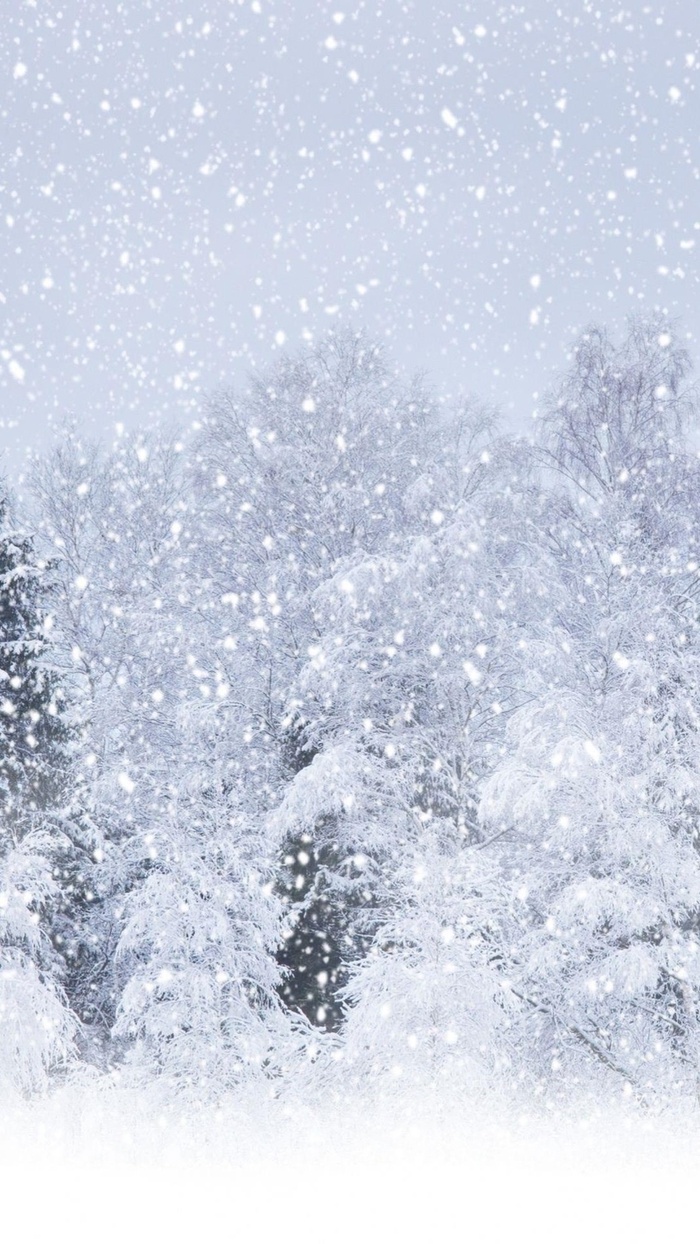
{"x": 108, "y": 1165}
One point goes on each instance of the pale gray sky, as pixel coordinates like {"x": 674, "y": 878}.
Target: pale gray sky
{"x": 190, "y": 186}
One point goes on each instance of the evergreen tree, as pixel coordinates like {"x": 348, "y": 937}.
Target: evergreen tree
{"x": 36, "y": 1028}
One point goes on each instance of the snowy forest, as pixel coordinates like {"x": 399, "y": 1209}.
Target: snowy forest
{"x": 349, "y": 740}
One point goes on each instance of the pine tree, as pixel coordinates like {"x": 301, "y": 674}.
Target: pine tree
{"x": 36, "y": 1027}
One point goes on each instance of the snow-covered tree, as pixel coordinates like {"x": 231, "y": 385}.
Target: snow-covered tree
{"x": 107, "y": 519}
{"x": 308, "y": 467}
{"x": 601, "y": 780}
{"x": 402, "y": 705}
{"x": 176, "y": 865}
{"x": 36, "y": 1027}
{"x": 374, "y": 719}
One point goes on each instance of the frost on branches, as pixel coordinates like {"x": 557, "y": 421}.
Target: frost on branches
{"x": 349, "y": 741}
{"x": 601, "y": 778}
{"x": 36, "y": 1026}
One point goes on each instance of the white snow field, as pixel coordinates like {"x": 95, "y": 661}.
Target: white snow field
{"x": 105, "y": 1166}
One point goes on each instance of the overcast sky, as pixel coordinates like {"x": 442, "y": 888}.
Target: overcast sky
{"x": 190, "y": 187}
